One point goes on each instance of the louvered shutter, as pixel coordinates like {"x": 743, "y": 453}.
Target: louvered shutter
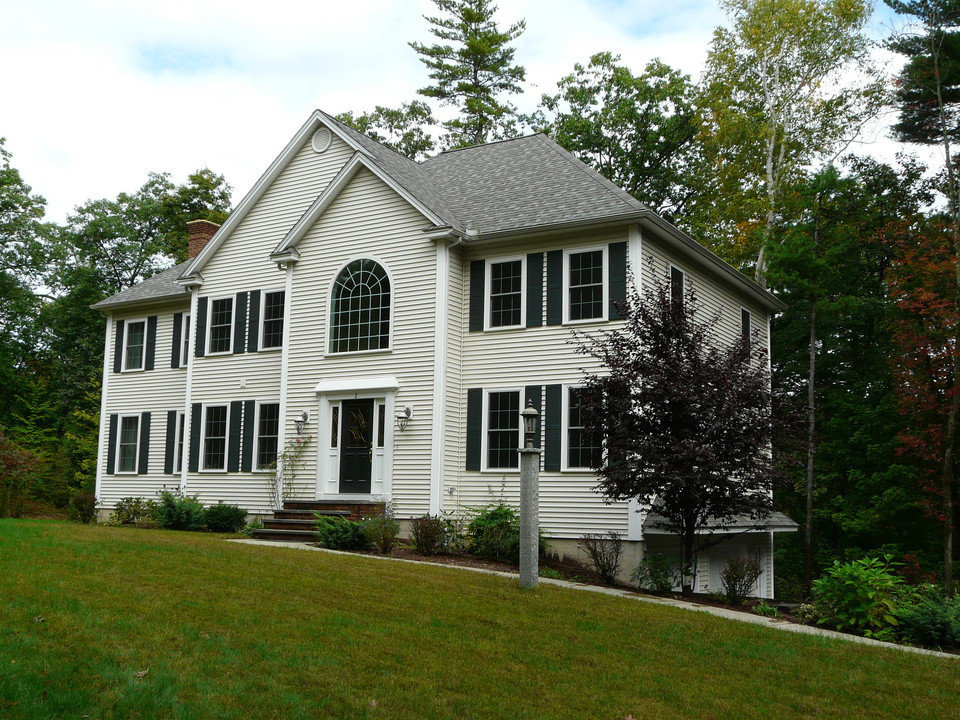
{"x": 553, "y": 428}
{"x": 240, "y": 323}
{"x": 253, "y": 331}
{"x": 200, "y": 336}
{"x": 534, "y": 289}
{"x": 249, "y": 413}
{"x": 170, "y": 442}
{"x": 196, "y": 417}
{"x": 236, "y": 424}
{"x": 112, "y": 444}
{"x": 477, "y": 279}
{"x": 555, "y": 287}
{"x": 151, "y": 349}
{"x": 617, "y": 273}
{"x": 118, "y": 347}
{"x": 175, "y": 351}
{"x": 474, "y": 427}
{"x": 144, "y": 459}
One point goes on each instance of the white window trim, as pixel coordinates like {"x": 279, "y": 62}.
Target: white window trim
{"x": 143, "y": 352}
{"x": 565, "y": 433}
{"x": 185, "y": 332}
{"x": 485, "y": 428}
{"x": 683, "y": 289}
{"x": 488, "y": 291}
{"x": 256, "y": 435}
{"x": 209, "y": 330}
{"x": 327, "y": 352}
{"x": 605, "y": 281}
{"x": 136, "y": 456}
{"x": 203, "y": 439}
{"x": 180, "y": 428}
{"x": 263, "y": 317}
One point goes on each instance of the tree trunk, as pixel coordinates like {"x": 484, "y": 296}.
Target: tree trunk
{"x": 811, "y": 450}
{"x": 686, "y": 562}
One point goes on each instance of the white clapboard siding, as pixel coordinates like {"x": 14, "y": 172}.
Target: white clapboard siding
{"x": 369, "y": 220}
{"x": 455, "y": 405}
{"x": 155, "y": 391}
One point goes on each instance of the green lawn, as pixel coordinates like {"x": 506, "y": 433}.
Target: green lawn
{"x": 223, "y": 630}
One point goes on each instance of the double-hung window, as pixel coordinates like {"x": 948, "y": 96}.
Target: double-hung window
{"x": 134, "y": 342}
{"x": 579, "y": 452}
{"x": 128, "y": 443}
{"x": 268, "y": 435}
{"x": 502, "y": 432}
{"x": 271, "y": 334}
{"x": 676, "y": 286}
{"x": 745, "y": 324}
{"x": 220, "y": 326}
{"x": 505, "y": 302}
{"x": 214, "y": 442}
{"x": 585, "y": 289}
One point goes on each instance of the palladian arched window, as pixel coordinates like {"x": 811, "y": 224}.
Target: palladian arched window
{"x": 360, "y": 311}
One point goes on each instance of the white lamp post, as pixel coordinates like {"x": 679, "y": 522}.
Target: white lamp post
{"x": 529, "y": 501}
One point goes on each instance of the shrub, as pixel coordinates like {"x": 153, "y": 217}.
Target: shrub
{"x": 657, "y": 572}
{"x": 83, "y": 507}
{"x": 428, "y": 534}
{"x": 761, "y": 608}
{"x": 605, "y": 551}
{"x": 337, "y": 533}
{"x": 225, "y": 518}
{"x": 382, "y": 530}
{"x": 18, "y": 468}
{"x": 860, "y": 596}
{"x": 931, "y": 620}
{"x": 133, "y": 510}
{"x": 252, "y": 526}
{"x": 738, "y": 577}
{"x": 175, "y": 511}
{"x": 494, "y": 533}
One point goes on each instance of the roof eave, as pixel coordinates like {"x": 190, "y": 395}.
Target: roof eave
{"x": 107, "y": 306}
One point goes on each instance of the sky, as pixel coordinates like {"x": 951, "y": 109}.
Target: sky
{"x": 95, "y": 94}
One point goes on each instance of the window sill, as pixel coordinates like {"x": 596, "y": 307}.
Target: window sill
{"x": 348, "y": 353}
{"x": 275, "y": 348}
{"x": 132, "y": 370}
{"x": 504, "y": 327}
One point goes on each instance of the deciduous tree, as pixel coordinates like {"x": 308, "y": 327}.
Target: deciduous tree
{"x": 403, "y": 129}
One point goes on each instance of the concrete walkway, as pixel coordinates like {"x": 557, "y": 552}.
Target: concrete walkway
{"x": 744, "y": 617}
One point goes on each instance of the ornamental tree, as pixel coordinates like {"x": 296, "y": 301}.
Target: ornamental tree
{"x": 684, "y": 418}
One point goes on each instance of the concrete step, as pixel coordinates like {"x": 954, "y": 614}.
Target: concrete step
{"x": 304, "y": 536}
{"x": 308, "y": 514}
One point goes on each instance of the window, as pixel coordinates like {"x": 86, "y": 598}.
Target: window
{"x": 221, "y": 325}
{"x": 360, "y": 308}
{"x": 745, "y": 325}
{"x": 128, "y": 443}
{"x": 185, "y": 335}
{"x": 272, "y": 329}
{"x": 214, "y": 441}
{"x": 178, "y": 462}
{"x": 133, "y": 344}
{"x": 268, "y": 434}
{"x": 676, "y": 286}
{"x": 505, "y": 303}
{"x": 579, "y": 452}
{"x": 503, "y": 429}
{"x": 585, "y": 290}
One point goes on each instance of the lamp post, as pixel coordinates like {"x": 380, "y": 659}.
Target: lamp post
{"x": 529, "y": 500}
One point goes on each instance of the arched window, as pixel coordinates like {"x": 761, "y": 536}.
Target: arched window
{"x": 360, "y": 312}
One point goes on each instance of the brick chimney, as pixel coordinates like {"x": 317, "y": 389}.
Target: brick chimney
{"x": 198, "y": 233}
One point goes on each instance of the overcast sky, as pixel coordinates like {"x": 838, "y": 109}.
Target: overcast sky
{"x": 94, "y": 94}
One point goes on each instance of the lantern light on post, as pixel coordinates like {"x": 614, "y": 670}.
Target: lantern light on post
{"x": 530, "y": 417}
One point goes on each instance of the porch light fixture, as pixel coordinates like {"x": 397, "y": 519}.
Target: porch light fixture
{"x": 403, "y": 417}
{"x": 302, "y": 419}
{"x": 529, "y": 415}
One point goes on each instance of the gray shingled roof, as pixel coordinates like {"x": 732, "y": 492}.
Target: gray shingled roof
{"x": 160, "y": 286}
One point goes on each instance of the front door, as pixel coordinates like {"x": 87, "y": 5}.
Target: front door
{"x": 356, "y": 455}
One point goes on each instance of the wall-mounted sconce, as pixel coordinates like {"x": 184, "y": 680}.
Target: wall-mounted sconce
{"x": 302, "y": 419}
{"x": 403, "y": 417}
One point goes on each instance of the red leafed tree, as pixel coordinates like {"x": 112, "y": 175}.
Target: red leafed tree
{"x": 924, "y": 281}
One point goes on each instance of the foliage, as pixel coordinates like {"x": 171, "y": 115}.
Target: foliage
{"x": 382, "y": 530}
{"x": 252, "y": 526}
{"x": 738, "y": 577}
{"x": 282, "y": 482}
{"x": 605, "y": 551}
{"x": 494, "y": 532}
{"x": 427, "y": 533}
{"x": 657, "y": 572}
{"x": 133, "y": 510}
{"x": 931, "y": 620}
{"x": 399, "y": 129}
{"x": 551, "y": 573}
{"x": 337, "y": 533}
{"x": 861, "y": 596}
{"x": 83, "y": 507}
{"x": 225, "y": 518}
{"x": 176, "y": 511}
{"x": 762, "y": 608}
{"x": 17, "y": 473}
{"x": 471, "y": 69}
{"x": 685, "y": 420}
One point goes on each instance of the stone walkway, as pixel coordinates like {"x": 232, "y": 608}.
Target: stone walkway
{"x": 743, "y": 617}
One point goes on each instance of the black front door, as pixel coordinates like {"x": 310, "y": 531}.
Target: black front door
{"x": 356, "y": 455}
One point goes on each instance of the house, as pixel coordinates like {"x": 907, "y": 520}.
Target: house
{"x": 391, "y": 318}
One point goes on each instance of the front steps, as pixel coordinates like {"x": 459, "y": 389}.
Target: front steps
{"x": 295, "y": 522}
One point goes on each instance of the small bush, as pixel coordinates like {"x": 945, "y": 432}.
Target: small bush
{"x": 252, "y": 526}
{"x": 225, "y": 518}
{"x": 337, "y": 533}
{"x": 657, "y": 572}
{"x": 382, "y": 530}
{"x": 932, "y": 620}
{"x": 494, "y": 533}
{"x": 175, "y": 511}
{"x": 546, "y": 572}
{"x": 428, "y": 534}
{"x": 761, "y": 608}
{"x": 605, "y": 551}
{"x": 860, "y": 596}
{"x": 133, "y": 511}
{"x": 83, "y": 507}
{"x": 738, "y": 577}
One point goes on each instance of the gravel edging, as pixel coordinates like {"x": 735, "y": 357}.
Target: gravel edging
{"x": 749, "y": 618}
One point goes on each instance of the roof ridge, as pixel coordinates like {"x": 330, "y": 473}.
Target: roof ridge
{"x": 483, "y": 145}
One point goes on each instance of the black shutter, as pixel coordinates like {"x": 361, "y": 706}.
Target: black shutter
{"x": 196, "y": 417}
{"x": 144, "y": 443}
{"x": 553, "y": 428}
{"x": 200, "y": 334}
{"x": 534, "y": 289}
{"x": 617, "y": 272}
{"x": 175, "y": 352}
{"x": 240, "y": 323}
{"x": 118, "y": 348}
{"x": 253, "y": 334}
{"x": 170, "y": 444}
{"x": 249, "y": 411}
{"x": 555, "y": 287}
{"x": 474, "y": 427}
{"x": 532, "y": 395}
{"x": 236, "y": 423}
{"x": 112, "y": 444}
{"x": 477, "y": 279}
{"x": 151, "y": 342}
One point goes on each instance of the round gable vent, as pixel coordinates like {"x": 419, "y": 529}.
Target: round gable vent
{"x": 321, "y": 139}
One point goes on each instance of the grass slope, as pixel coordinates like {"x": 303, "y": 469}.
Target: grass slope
{"x": 232, "y": 631}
